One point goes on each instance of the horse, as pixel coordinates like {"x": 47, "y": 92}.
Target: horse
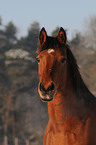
{"x": 71, "y": 106}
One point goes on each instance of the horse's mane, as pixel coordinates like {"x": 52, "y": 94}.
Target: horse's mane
{"x": 80, "y": 88}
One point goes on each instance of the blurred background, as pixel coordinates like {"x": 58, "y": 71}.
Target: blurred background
{"x": 23, "y": 116}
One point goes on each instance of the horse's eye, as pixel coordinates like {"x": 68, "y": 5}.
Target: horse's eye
{"x": 63, "y": 60}
{"x": 38, "y": 60}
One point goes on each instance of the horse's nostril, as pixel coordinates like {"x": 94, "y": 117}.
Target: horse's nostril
{"x": 42, "y": 87}
{"x": 51, "y": 87}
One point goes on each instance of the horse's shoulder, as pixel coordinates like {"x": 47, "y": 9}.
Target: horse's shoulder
{"x": 90, "y": 129}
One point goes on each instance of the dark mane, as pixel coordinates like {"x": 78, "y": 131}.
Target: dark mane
{"x": 80, "y": 88}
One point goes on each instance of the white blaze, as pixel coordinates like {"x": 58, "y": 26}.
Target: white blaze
{"x": 50, "y": 50}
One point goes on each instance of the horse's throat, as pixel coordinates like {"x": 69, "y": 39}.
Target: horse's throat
{"x": 62, "y": 107}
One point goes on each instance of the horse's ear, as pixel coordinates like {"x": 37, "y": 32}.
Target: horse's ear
{"x": 42, "y": 36}
{"x": 62, "y": 38}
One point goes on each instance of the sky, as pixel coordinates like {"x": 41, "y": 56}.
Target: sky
{"x": 69, "y": 14}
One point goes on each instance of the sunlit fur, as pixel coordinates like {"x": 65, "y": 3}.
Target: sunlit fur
{"x": 72, "y": 110}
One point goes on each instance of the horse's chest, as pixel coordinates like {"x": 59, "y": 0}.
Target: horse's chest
{"x": 64, "y": 138}
{"x": 84, "y": 133}
{"x": 60, "y": 138}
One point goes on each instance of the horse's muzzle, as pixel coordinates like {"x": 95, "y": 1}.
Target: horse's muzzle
{"x": 46, "y": 94}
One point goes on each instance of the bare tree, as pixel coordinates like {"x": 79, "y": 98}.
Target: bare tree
{"x": 90, "y": 33}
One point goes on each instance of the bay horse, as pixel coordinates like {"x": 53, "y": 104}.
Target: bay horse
{"x": 71, "y": 106}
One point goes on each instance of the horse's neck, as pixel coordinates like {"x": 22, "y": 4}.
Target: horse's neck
{"x": 64, "y": 105}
